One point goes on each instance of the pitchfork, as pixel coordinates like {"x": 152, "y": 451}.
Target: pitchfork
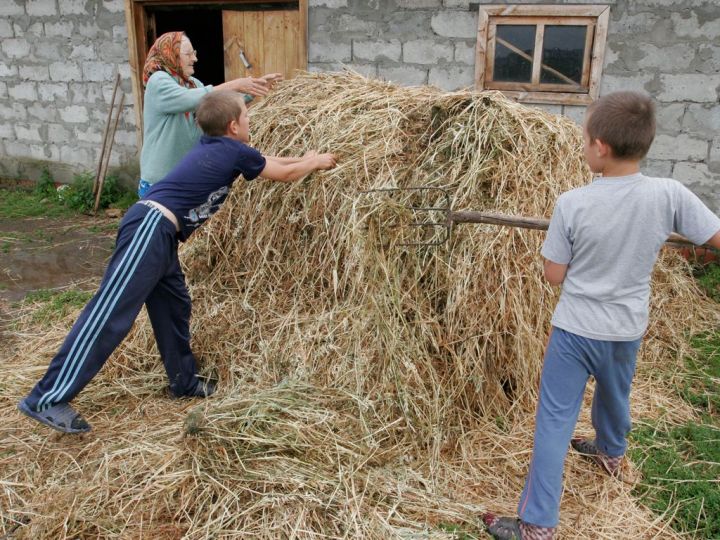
{"x": 451, "y": 217}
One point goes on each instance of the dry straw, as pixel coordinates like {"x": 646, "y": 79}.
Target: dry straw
{"x": 367, "y": 390}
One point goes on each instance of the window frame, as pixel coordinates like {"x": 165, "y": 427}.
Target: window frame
{"x": 596, "y": 17}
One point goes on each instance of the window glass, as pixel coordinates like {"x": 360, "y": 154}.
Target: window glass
{"x": 563, "y": 51}
{"x": 514, "y": 47}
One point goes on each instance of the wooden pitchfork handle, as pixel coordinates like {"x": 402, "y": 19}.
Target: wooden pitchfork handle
{"x": 541, "y": 224}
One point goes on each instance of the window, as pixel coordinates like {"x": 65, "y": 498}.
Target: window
{"x": 542, "y": 54}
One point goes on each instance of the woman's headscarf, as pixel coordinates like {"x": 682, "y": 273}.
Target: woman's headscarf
{"x": 164, "y": 55}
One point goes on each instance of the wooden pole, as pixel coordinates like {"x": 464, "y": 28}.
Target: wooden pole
{"x": 105, "y": 135}
{"x": 106, "y": 162}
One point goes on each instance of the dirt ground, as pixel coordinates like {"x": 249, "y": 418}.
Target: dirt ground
{"x": 49, "y": 253}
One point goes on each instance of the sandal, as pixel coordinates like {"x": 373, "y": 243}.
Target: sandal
{"x": 502, "y": 528}
{"x": 589, "y": 450}
{"x": 61, "y": 417}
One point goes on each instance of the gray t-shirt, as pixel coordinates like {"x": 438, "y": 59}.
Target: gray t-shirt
{"x": 609, "y": 234}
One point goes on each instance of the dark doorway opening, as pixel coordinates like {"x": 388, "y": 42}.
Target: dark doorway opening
{"x": 205, "y": 30}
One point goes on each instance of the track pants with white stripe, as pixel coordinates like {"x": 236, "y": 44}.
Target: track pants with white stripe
{"x": 144, "y": 269}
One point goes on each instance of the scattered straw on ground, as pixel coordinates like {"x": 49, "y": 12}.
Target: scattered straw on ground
{"x": 367, "y": 389}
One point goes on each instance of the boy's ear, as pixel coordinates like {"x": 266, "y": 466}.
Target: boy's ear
{"x": 232, "y": 127}
{"x": 603, "y": 149}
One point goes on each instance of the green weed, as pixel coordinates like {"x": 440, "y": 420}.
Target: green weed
{"x": 55, "y": 305}
{"x": 709, "y": 279}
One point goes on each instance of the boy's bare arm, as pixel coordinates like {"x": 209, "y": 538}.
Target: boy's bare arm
{"x": 715, "y": 240}
{"x": 554, "y": 272}
{"x": 279, "y": 171}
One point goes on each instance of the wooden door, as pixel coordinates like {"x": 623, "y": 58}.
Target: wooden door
{"x": 270, "y": 40}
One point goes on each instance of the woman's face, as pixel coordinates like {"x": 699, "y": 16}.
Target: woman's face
{"x": 188, "y": 57}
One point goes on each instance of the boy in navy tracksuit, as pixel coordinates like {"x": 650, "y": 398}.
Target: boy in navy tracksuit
{"x": 144, "y": 268}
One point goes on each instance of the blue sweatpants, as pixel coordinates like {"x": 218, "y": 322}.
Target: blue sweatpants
{"x": 570, "y": 360}
{"x": 144, "y": 268}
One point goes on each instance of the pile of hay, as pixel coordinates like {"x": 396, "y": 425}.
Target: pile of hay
{"x": 367, "y": 389}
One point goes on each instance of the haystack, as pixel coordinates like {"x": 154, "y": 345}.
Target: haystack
{"x": 368, "y": 389}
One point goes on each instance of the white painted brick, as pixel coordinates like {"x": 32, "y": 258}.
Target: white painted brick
{"x": 329, "y": 51}
{"x": 667, "y": 57}
{"x": 678, "y": 147}
{"x": 97, "y": 71}
{"x": 114, "y": 6}
{"x": 28, "y": 132}
{"x": 74, "y": 114}
{"x": 41, "y": 8}
{"x": 34, "y": 73}
{"x": 690, "y": 27}
{"x": 8, "y": 70}
{"x": 377, "y": 50}
{"x": 65, "y": 71}
{"x": 89, "y": 134}
{"x": 58, "y": 133}
{"x": 42, "y": 111}
{"x": 418, "y": 4}
{"x": 452, "y": 77}
{"x": 9, "y": 8}
{"x": 6, "y": 29}
{"x": 457, "y": 24}
{"x": 669, "y": 116}
{"x": 76, "y": 155}
{"x": 689, "y": 87}
{"x": 52, "y": 91}
{"x": 404, "y": 75}
{"x": 423, "y": 51}
{"x": 465, "y": 53}
{"x": 24, "y": 91}
{"x": 59, "y": 29}
{"x": 73, "y": 7}
{"x": 85, "y": 51}
{"x": 702, "y": 119}
{"x": 16, "y": 47}
{"x": 329, "y": 3}
{"x": 613, "y": 83}
{"x": 657, "y": 168}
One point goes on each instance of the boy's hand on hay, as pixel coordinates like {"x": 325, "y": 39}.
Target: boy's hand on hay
{"x": 324, "y": 161}
{"x": 272, "y": 78}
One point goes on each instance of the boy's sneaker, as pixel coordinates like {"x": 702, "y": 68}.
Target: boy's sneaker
{"x": 61, "y": 417}
{"x": 589, "y": 450}
{"x": 203, "y": 389}
{"x": 507, "y": 528}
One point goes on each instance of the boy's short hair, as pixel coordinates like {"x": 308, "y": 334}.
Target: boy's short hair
{"x": 216, "y": 110}
{"x": 625, "y": 121}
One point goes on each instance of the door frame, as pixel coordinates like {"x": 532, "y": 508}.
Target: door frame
{"x": 137, "y": 23}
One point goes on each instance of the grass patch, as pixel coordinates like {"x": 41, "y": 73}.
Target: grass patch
{"x": 55, "y": 305}
{"x": 709, "y": 279}
{"x": 20, "y": 203}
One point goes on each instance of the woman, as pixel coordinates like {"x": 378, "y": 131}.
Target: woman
{"x": 171, "y": 95}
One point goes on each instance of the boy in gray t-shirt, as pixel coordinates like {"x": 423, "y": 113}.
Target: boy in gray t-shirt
{"x": 601, "y": 245}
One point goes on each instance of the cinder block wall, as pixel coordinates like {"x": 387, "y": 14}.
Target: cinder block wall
{"x": 58, "y": 59}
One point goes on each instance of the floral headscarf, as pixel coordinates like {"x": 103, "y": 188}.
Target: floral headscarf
{"x": 164, "y": 55}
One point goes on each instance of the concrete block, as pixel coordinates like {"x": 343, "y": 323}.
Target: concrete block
{"x": 7, "y": 131}
{"x": 329, "y": 51}
{"x": 465, "y": 52}
{"x": 657, "y": 168}
{"x": 408, "y": 25}
{"x": 86, "y": 51}
{"x": 28, "y": 132}
{"x": 76, "y": 155}
{"x": 575, "y": 113}
{"x": 98, "y": 71}
{"x": 58, "y": 133}
{"x": 701, "y": 181}
{"x": 455, "y": 24}
{"x": 376, "y": 50}
{"x": 452, "y": 77}
{"x": 65, "y": 71}
{"x": 26, "y": 91}
{"x": 457, "y": 4}
{"x": 41, "y": 8}
{"x": 91, "y": 30}
{"x": 89, "y": 134}
{"x": 6, "y": 29}
{"x": 669, "y": 117}
{"x": 13, "y": 111}
{"x": 12, "y": 8}
{"x": 689, "y": 87}
{"x": 34, "y": 73}
{"x": 707, "y": 59}
{"x": 15, "y": 47}
{"x": 59, "y": 29}
{"x": 119, "y": 32}
{"x": 633, "y": 24}
{"x": 53, "y": 91}
{"x": 333, "y": 4}
{"x": 114, "y": 6}
{"x": 426, "y": 51}
{"x": 126, "y": 138}
{"x": 667, "y": 58}
{"x": 681, "y": 147}
{"x": 73, "y": 7}
{"x": 358, "y": 26}
{"x": 404, "y": 75}
{"x": 418, "y": 4}
{"x": 3, "y": 90}
{"x": 551, "y": 109}
{"x": 8, "y": 70}
{"x": 687, "y": 24}
{"x": 613, "y": 83}
{"x": 74, "y": 114}
{"x": 366, "y": 70}
{"x": 45, "y": 152}
{"x": 53, "y": 52}
{"x": 87, "y": 93}
{"x": 32, "y": 30}
{"x": 43, "y": 112}
{"x": 17, "y": 149}
{"x": 702, "y": 119}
